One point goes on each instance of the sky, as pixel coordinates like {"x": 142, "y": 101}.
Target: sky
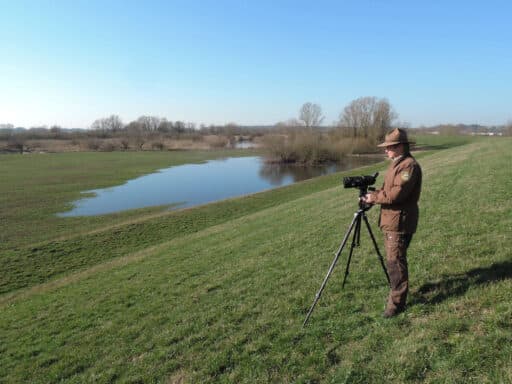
{"x": 253, "y": 62}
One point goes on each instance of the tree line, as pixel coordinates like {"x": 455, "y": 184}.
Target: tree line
{"x": 110, "y": 134}
{"x": 366, "y": 116}
{"x": 361, "y": 124}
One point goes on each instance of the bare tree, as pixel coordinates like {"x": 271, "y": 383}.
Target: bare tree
{"x": 134, "y": 127}
{"x": 311, "y": 115}
{"x": 164, "y": 126}
{"x": 368, "y": 117}
{"x": 139, "y": 139}
{"x": 55, "y": 131}
{"x": 179, "y": 126}
{"x": 136, "y": 134}
{"x": 149, "y": 123}
{"x": 113, "y": 123}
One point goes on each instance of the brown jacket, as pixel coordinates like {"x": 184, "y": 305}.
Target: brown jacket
{"x": 399, "y": 196}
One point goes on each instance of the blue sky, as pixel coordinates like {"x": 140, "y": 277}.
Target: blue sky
{"x": 253, "y": 62}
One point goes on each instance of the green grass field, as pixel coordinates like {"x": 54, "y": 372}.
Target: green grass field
{"x": 218, "y": 293}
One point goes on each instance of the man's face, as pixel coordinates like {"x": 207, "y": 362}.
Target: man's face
{"x": 393, "y": 151}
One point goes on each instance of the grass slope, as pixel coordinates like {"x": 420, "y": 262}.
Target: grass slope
{"x": 222, "y": 299}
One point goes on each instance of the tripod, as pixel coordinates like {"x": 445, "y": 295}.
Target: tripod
{"x": 356, "y": 227}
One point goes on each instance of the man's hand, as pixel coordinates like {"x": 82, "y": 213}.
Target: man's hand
{"x": 368, "y": 198}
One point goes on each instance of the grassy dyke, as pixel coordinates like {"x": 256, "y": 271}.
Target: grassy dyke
{"x": 222, "y": 298}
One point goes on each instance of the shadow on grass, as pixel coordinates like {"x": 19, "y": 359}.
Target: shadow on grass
{"x": 458, "y": 284}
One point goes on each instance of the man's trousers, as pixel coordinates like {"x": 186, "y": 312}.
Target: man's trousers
{"x": 396, "y": 245}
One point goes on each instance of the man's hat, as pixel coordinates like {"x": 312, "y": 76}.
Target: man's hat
{"x": 396, "y": 136}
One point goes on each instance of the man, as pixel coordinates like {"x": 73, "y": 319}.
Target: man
{"x": 398, "y": 219}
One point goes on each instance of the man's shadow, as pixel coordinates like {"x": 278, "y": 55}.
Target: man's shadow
{"x": 457, "y": 284}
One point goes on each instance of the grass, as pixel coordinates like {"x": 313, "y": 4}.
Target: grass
{"x": 442, "y": 141}
{"x": 221, "y": 299}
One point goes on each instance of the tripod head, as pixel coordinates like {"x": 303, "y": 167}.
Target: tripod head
{"x": 362, "y": 193}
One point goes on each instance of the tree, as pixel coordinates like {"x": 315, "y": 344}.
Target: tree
{"x": 311, "y": 115}
{"x": 149, "y": 123}
{"x": 179, "y": 126}
{"x": 55, "y": 131}
{"x": 113, "y": 123}
{"x": 134, "y": 127}
{"x": 165, "y": 126}
{"x": 368, "y": 117}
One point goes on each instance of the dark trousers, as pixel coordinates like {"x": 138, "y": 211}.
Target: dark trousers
{"x": 396, "y": 245}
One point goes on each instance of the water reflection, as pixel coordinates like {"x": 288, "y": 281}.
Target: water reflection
{"x": 277, "y": 174}
{"x": 193, "y": 184}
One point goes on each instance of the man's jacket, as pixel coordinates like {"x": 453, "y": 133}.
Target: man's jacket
{"x": 399, "y": 196}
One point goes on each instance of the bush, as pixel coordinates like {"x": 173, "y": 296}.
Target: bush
{"x": 310, "y": 147}
{"x": 93, "y": 144}
{"x": 301, "y": 148}
{"x": 157, "y": 145}
{"x": 137, "y": 142}
{"x": 124, "y": 144}
{"x": 215, "y": 141}
{"x": 16, "y": 144}
{"x": 107, "y": 146}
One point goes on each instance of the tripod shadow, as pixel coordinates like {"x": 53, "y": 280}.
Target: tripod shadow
{"x": 458, "y": 284}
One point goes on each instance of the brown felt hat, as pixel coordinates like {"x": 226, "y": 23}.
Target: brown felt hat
{"x": 396, "y": 136}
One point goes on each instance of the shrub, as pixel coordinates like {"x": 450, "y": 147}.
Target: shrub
{"x": 16, "y": 144}
{"x": 157, "y": 145}
{"x": 124, "y": 144}
{"x": 215, "y": 141}
{"x": 93, "y": 144}
{"x": 313, "y": 147}
{"x": 107, "y": 146}
{"x": 301, "y": 147}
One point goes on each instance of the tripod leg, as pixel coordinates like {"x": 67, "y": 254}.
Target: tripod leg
{"x": 331, "y": 268}
{"x": 376, "y": 247}
{"x": 355, "y": 242}
{"x": 357, "y": 238}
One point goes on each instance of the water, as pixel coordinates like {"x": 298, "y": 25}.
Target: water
{"x": 244, "y": 145}
{"x": 193, "y": 184}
